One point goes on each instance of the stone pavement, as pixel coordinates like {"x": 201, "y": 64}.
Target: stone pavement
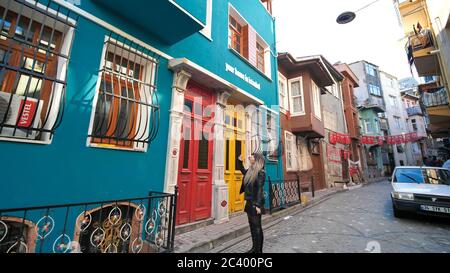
{"x": 359, "y": 221}
{"x": 206, "y": 238}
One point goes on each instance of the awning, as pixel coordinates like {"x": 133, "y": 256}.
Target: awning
{"x": 164, "y": 19}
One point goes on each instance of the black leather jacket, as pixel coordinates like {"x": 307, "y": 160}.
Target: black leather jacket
{"x": 253, "y": 192}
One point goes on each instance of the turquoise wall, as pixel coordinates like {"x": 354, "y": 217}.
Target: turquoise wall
{"x": 67, "y": 170}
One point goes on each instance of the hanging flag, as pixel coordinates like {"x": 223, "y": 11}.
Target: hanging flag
{"x": 364, "y": 140}
{"x": 333, "y": 139}
{"x": 407, "y": 138}
{"x": 380, "y": 140}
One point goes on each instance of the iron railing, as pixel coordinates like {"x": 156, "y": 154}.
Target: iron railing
{"x": 128, "y": 80}
{"x": 414, "y": 110}
{"x": 35, "y": 48}
{"x": 145, "y": 224}
{"x": 438, "y": 98}
{"x": 283, "y": 194}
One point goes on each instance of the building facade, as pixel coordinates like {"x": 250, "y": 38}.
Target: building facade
{"x": 349, "y": 83}
{"x": 427, "y": 28}
{"x": 371, "y": 107}
{"x": 302, "y": 82}
{"x": 336, "y": 134}
{"x": 397, "y": 120}
{"x": 102, "y": 102}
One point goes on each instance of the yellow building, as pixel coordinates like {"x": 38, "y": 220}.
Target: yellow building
{"x": 426, "y": 24}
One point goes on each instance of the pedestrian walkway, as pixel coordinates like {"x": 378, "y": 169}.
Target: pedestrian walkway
{"x": 206, "y": 238}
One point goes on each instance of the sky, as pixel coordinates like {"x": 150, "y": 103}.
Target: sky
{"x": 308, "y": 27}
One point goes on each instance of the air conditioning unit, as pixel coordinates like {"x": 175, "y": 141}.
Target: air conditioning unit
{"x": 21, "y": 113}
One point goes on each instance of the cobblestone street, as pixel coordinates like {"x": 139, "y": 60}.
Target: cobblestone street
{"x": 360, "y": 220}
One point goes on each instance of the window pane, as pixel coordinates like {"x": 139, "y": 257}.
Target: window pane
{"x": 298, "y": 104}
{"x": 187, "y": 142}
{"x": 203, "y": 152}
{"x": 227, "y": 155}
{"x": 295, "y": 88}
{"x": 29, "y": 86}
{"x": 237, "y": 151}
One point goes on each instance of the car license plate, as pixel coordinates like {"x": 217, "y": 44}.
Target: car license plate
{"x": 435, "y": 209}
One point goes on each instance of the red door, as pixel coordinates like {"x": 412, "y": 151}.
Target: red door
{"x": 195, "y": 165}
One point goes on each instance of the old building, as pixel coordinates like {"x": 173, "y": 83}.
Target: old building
{"x": 371, "y": 107}
{"x": 303, "y": 82}
{"x": 349, "y": 83}
{"x": 117, "y": 103}
{"x": 427, "y": 28}
{"x": 397, "y": 121}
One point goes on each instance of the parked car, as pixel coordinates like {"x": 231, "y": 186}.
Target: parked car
{"x": 423, "y": 190}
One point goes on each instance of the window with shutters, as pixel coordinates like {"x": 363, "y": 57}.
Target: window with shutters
{"x": 244, "y": 41}
{"x": 35, "y": 43}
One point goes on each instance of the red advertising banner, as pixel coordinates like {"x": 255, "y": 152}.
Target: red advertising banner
{"x": 27, "y": 110}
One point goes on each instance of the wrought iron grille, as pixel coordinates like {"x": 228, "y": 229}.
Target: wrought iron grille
{"x": 283, "y": 194}
{"x": 35, "y": 46}
{"x": 136, "y": 225}
{"x": 127, "y": 107}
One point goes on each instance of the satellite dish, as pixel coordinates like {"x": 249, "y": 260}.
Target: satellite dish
{"x": 346, "y": 17}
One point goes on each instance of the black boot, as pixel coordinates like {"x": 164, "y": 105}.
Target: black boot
{"x": 254, "y": 243}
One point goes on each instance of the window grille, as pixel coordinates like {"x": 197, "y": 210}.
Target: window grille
{"x": 126, "y": 108}
{"x": 35, "y": 45}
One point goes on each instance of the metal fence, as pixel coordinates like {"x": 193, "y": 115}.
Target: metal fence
{"x": 283, "y": 194}
{"x": 136, "y": 225}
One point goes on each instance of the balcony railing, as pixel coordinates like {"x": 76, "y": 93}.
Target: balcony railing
{"x": 374, "y": 102}
{"x": 421, "y": 40}
{"x": 437, "y": 98}
{"x": 137, "y": 225}
{"x": 414, "y": 110}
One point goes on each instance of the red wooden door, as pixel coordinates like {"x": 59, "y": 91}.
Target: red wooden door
{"x": 195, "y": 165}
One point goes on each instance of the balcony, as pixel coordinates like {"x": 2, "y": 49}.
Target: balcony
{"x": 421, "y": 47}
{"x": 375, "y": 103}
{"x": 169, "y": 20}
{"x": 437, "y": 97}
{"x": 414, "y": 111}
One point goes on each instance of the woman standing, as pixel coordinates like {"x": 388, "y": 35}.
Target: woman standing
{"x": 252, "y": 187}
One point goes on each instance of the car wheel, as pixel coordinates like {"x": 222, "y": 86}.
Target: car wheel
{"x": 398, "y": 213}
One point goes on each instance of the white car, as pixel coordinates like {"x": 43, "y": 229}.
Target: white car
{"x": 423, "y": 190}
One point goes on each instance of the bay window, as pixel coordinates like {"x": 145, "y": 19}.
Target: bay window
{"x": 126, "y": 106}
{"x": 35, "y": 43}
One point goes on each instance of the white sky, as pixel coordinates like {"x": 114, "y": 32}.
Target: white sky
{"x": 308, "y": 27}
